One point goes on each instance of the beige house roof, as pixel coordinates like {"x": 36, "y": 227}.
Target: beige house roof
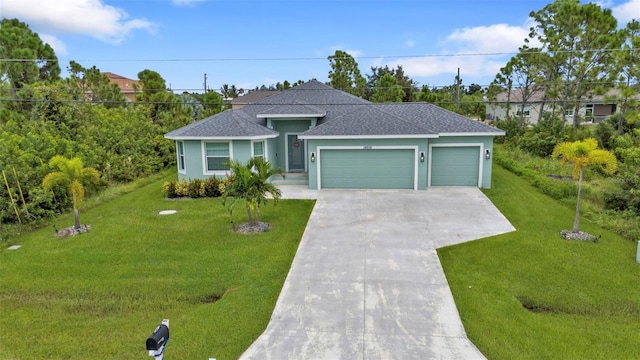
{"x": 126, "y": 85}
{"x": 251, "y": 97}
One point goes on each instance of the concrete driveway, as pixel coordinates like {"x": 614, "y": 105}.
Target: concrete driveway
{"x": 366, "y": 282}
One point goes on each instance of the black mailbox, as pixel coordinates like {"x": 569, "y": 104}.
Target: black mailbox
{"x": 158, "y": 338}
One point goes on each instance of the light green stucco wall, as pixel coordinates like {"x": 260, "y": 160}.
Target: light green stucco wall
{"x": 241, "y": 151}
{"x": 276, "y": 151}
{"x": 279, "y": 153}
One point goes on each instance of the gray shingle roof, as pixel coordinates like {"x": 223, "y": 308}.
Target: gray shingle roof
{"x": 230, "y": 123}
{"x": 343, "y": 115}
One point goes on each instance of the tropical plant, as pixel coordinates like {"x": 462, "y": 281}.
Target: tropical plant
{"x": 250, "y": 182}
{"x": 73, "y": 174}
{"x": 582, "y": 154}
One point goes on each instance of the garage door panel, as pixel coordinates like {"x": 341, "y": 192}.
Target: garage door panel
{"x": 455, "y": 166}
{"x": 367, "y": 169}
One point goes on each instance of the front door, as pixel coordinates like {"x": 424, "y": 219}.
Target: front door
{"x": 296, "y": 153}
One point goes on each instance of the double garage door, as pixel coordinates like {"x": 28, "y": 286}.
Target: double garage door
{"x": 384, "y": 168}
{"x": 367, "y": 168}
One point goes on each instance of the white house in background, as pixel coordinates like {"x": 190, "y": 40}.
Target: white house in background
{"x": 594, "y": 109}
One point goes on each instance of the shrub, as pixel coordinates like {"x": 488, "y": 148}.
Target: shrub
{"x": 557, "y": 189}
{"x": 211, "y": 188}
{"x": 511, "y": 127}
{"x": 605, "y": 134}
{"x": 169, "y": 189}
{"x": 539, "y": 144}
{"x": 194, "y": 187}
{"x": 615, "y": 200}
{"x": 544, "y": 136}
{"x": 182, "y": 188}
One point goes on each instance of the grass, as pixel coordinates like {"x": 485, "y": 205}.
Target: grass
{"x": 530, "y": 294}
{"x": 101, "y": 294}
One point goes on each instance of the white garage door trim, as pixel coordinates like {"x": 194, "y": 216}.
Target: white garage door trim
{"x": 480, "y": 162}
{"x": 370, "y": 147}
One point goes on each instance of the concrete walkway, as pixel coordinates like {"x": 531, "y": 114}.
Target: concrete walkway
{"x": 366, "y": 282}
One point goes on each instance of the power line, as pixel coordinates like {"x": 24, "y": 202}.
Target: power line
{"x": 325, "y": 58}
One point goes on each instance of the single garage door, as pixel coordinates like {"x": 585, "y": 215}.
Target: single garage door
{"x": 367, "y": 168}
{"x": 455, "y": 166}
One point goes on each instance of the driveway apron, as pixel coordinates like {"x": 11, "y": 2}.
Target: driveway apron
{"x": 367, "y": 283}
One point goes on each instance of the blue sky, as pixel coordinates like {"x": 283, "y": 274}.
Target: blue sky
{"x": 248, "y": 43}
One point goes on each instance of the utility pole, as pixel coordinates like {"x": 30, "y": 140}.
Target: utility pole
{"x": 458, "y": 90}
{"x": 205, "y": 83}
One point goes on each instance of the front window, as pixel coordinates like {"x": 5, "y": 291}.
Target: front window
{"x": 217, "y": 156}
{"x": 181, "y": 162}
{"x": 258, "y": 149}
{"x": 568, "y": 112}
{"x": 525, "y": 113}
{"x": 588, "y": 113}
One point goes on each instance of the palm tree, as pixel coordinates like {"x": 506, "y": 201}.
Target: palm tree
{"x": 74, "y": 175}
{"x": 582, "y": 154}
{"x": 251, "y": 184}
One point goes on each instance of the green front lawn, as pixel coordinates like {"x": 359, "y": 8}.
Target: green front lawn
{"x": 100, "y": 295}
{"x": 530, "y": 294}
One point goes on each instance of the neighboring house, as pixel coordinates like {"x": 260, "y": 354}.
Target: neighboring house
{"x": 128, "y": 87}
{"x": 594, "y": 109}
{"x": 251, "y": 97}
{"x": 342, "y": 141}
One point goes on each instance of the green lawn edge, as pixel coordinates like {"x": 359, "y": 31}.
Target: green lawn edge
{"x": 530, "y": 294}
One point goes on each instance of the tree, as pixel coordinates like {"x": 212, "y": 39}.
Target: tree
{"x": 628, "y": 69}
{"x": 582, "y": 154}
{"x": 387, "y": 90}
{"x": 251, "y": 184}
{"x": 89, "y": 84}
{"x": 579, "y": 39}
{"x": 155, "y": 94}
{"x": 406, "y": 83}
{"x": 440, "y": 97}
{"x": 230, "y": 92}
{"x": 31, "y": 59}
{"x": 474, "y": 88}
{"x": 73, "y": 174}
{"x": 213, "y": 104}
{"x": 345, "y": 75}
{"x": 522, "y": 74}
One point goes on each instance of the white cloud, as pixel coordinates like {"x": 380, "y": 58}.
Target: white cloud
{"x": 87, "y": 17}
{"x": 58, "y": 46}
{"x": 185, "y": 2}
{"x": 496, "y": 38}
{"x": 479, "y": 52}
{"x": 625, "y": 12}
{"x": 410, "y": 43}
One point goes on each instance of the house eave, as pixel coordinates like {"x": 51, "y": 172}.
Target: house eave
{"x": 493, "y": 133}
{"x": 347, "y": 137}
{"x": 257, "y": 137}
{"x": 285, "y": 116}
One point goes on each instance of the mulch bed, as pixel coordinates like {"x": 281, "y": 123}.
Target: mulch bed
{"x": 248, "y": 228}
{"x": 580, "y": 235}
{"x": 72, "y": 231}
